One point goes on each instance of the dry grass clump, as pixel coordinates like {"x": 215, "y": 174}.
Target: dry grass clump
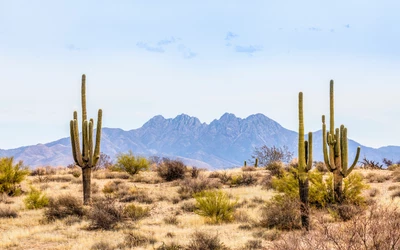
{"x": 107, "y": 174}
{"x": 245, "y": 179}
{"x": 276, "y": 168}
{"x": 64, "y": 206}
{"x": 171, "y": 220}
{"x": 373, "y": 192}
{"x": 102, "y": 246}
{"x": 134, "y": 212}
{"x": 395, "y": 194}
{"x": 202, "y": 241}
{"x": 396, "y": 175}
{"x": 171, "y": 246}
{"x": 36, "y": 199}
{"x": 253, "y": 245}
{"x": 8, "y": 212}
{"x": 224, "y": 176}
{"x": 105, "y": 214}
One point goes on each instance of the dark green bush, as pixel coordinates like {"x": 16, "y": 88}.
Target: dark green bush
{"x": 171, "y": 170}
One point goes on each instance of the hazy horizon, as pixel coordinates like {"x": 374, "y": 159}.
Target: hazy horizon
{"x": 203, "y": 59}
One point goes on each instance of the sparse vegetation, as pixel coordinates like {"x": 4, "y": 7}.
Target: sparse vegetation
{"x": 11, "y": 175}
{"x": 36, "y": 199}
{"x": 215, "y": 205}
{"x": 131, "y": 164}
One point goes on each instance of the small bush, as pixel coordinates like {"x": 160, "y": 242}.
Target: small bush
{"x": 102, "y": 246}
{"x": 36, "y": 199}
{"x": 393, "y": 167}
{"x": 171, "y": 170}
{"x": 224, "y": 177}
{"x": 11, "y": 175}
{"x": 105, "y": 214}
{"x": 64, "y": 206}
{"x": 134, "y": 212}
{"x": 249, "y": 168}
{"x": 188, "y": 206}
{"x": 172, "y": 246}
{"x": 320, "y": 166}
{"x": 396, "y": 175}
{"x": 188, "y": 187}
{"x": 276, "y": 168}
{"x": 76, "y": 172}
{"x": 136, "y": 239}
{"x": 281, "y": 212}
{"x": 245, "y": 179}
{"x": 171, "y": 220}
{"x": 7, "y": 212}
{"x": 353, "y": 188}
{"x": 395, "y": 194}
{"x": 131, "y": 164}
{"x": 373, "y": 192}
{"x": 203, "y": 241}
{"x": 215, "y": 205}
{"x": 378, "y": 178}
{"x": 253, "y": 244}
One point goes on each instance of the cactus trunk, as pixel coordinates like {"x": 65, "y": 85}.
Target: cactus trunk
{"x": 86, "y": 178}
{"x": 89, "y": 156}
{"x": 304, "y": 165}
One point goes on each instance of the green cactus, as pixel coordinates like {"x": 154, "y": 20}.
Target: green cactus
{"x": 245, "y": 163}
{"x": 304, "y": 165}
{"x": 256, "y": 163}
{"x": 89, "y": 156}
{"x": 335, "y": 141}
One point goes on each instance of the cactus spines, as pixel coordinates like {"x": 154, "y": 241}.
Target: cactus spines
{"x": 335, "y": 149}
{"x": 89, "y": 156}
{"x": 256, "y": 163}
{"x": 304, "y": 165}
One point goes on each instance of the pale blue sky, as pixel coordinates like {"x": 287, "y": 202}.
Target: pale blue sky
{"x": 202, "y": 58}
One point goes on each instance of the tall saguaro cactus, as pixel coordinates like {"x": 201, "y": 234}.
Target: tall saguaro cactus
{"x": 335, "y": 148}
{"x": 304, "y": 165}
{"x": 89, "y": 156}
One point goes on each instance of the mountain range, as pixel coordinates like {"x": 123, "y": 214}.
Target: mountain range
{"x": 224, "y": 143}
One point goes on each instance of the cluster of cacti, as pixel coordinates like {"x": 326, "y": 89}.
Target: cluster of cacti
{"x": 304, "y": 165}
{"x": 335, "y": 148}
{"x": 90, "y": 154}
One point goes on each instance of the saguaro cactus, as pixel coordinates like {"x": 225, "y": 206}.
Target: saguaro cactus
{"x": 89, "y": 156}
{"x": 304, "y": 165}
{"x": 335, "y": 141}
{"x": 256, "y": 163}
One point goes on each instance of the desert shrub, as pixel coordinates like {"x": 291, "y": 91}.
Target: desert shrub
{"x": 287, "y": 184}
{"x": 188, "y": 187}
{"x": 269, "y": 235}
{"x": 136, "y": 239}
{"x": 104, "y": 162}
{"x": 395, "y": 194}
{"x": 378, "y": 178}
{"x": 11, "y": 175}
{"x": 111, "y": 175}
{"x": 215, "y": 205}
{"x": 40, "y": 173}
{"x": 276, "y": 168}
{"x": 202, "y": 241}
{"x": 378, "y": 228}
{"x": 320, "y": 166}
{"x": 224, "y": 177}
{"x": 131, "y": 164}
{"x": 248, "y": 168}
{"x": 7, "y": 212}
{"x": 64, "y": 206}
{"x": 194, "y": 172}
{"x": 253, "y": 244}
{"x": 396, "y": 175}
{"x": 353, "y": 186}
{"x": 102, "y": 246}
{"x": 171, "y": 220}
{"x": 188, "y": 206}
{"x": 105, "y": 214}
{"x": 171, "y": 170}
{"x": 266, "y": 182}
{"x": 136, "y": 194}
{"x": 63, "y": 178}
{"x": 134, "y": 212}
{"x": 267, "y": 155}
{"x": 373, "y": 192}
{"x": 393, "y": 167}
{"x": 76, "y": 172}
{"x": 171, "y": 246}
{"x": 36, "y": 199}
{"x": 245, "y": 179}
{"x": 281, "y": 212}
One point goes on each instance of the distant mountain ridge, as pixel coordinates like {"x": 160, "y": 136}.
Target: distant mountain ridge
{"x": 224, "y": 143}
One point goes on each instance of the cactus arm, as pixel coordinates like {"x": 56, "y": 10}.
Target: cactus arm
{"x": 71, "y": 127}
{"x": 96, "y": 155}
{"x": 77, "y": 146}
{"x": 83, "y": 95}
{"x": 309, "y": 155}
{"x": 325, "y": 136}
{"x": 355, "y": 162}
{"x": 344, "y": 147}
{"x": 91, "y": 143}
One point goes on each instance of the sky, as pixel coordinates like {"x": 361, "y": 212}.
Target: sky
{"x": 201, "y": 58}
